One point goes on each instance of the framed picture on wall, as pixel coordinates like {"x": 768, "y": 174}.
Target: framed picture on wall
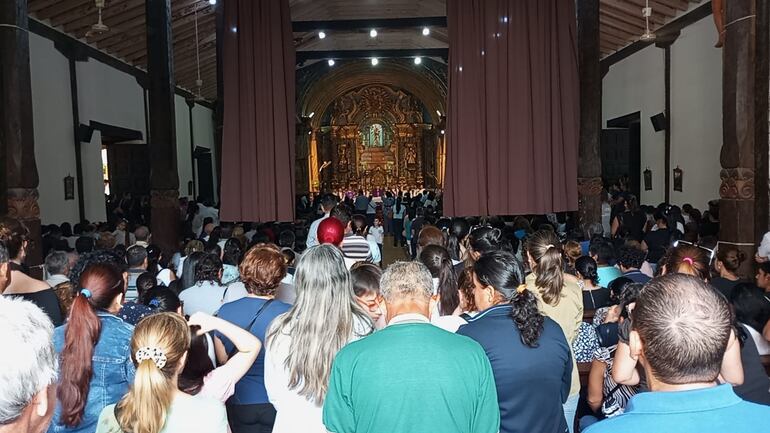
{"x": 678, "y": 175}
{"x": 69, "y": 188}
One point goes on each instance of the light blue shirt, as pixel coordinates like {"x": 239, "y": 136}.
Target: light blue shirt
{"x": 312, "y": 234}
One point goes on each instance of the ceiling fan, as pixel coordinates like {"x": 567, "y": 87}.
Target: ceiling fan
{"x": 99, "y": 27}
{"x": 647, "y": 36}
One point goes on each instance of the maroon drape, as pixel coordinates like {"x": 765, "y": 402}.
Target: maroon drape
{"x": 259, "y": 127}
{"x": 513, "y": 121}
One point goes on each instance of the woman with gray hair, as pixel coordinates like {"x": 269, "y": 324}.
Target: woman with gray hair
{"x": 302, "y": 343}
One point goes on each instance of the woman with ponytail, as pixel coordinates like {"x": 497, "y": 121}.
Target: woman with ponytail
{"x": 93, "y": 351}
{"x": 445, "y": 310}
{"x": 558, "y": 297}
{"x": 526, "y": 350}
{"x": 154, "y": 404}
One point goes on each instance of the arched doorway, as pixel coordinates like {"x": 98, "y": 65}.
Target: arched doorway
{"x": 372, "y": 128}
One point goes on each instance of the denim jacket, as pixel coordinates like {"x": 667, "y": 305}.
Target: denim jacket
{"x": 113, "y": 371}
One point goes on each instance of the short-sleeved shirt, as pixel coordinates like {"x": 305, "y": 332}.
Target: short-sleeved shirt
{"x": 186, "y": 414}
{"x": 545, "y": 371}
{"x": 608, "y": 274}
{"x": 709, "y": 410}
{"x": 412, "y": 377}
{"x": 203, "y": 296}
{"x": 251, "y": 388}
{"x": 724, "y": 286}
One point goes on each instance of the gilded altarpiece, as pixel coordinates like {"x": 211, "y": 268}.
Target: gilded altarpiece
{"x": 375, "y": 137}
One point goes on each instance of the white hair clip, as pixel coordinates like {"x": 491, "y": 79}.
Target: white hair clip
{"x": 151, "y": 353}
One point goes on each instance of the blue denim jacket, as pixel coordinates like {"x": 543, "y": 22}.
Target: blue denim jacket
{"x": 113, "y": 371}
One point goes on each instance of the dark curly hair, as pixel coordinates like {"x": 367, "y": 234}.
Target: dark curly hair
{"x": 208, "y": 268}
{"x": 502, "y": 271}
{"x": 586, "y": 267}
{"x": 631, "y": 257}
{"x": 100, "y": 256}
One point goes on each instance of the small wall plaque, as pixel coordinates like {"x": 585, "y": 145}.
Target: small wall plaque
{"x": 69, "y": 188}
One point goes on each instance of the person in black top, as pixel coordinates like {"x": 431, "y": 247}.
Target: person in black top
{"x": 630, "y": 224}
{"x": 527, "y": 350}
{"x": 729, "y": 259}
{"x": 656, "y": 242}
{"x": 594, "y": 296}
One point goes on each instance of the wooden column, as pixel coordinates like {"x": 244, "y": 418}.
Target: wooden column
{"x": 164, "y": 179}
{"x": 743, "y": 206}
{"x": 589, "y": 161}
{"x": 19, "y": 178}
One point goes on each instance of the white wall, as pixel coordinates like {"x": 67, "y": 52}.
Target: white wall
{"x": 203, "y": 129}
{"x": 637, "y": 84}
{"x": 105, "y": 95}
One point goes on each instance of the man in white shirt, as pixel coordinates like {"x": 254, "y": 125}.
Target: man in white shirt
{"x": 327, "y": 204}
{"x": 57, "y": 267}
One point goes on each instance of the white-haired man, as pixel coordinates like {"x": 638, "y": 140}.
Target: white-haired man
{"x": 411, "y": 376}
{"x": 28, "y": 373}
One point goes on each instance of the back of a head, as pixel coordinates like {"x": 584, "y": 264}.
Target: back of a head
{"x": 135, "y": 256}
{"x": 730, "y": 257}
{"x": 572, "y": 251}
{"x": 359, "y": 225}
{"x": 684, "y": 326}
{"x": 631, "y": 257}
{"x": 84, "y": 244}
{"x": 431, "y": 235}
{"x": 233, "y": 252}
{"x": 436, "y": 259}
{"x": 193, "y": 246}
{"x": 617, "y": 286}
{"x": 321, "y": 319}
{"x": 366, "y": 278}
{"x": 487, "y": 239}
{"x": 158, "y": 346}
{"x": 286, "y": 239}
{"x": 603, "y": 251}
{"x": 28, "y": 332}
{"x": 545, "y": 249}
{"x": 331, "y": 231}
{"x": 145, "y": 281}
{"x": 688, "y": 259}
{"x": 750, "y": 305}
{"x": 342, "y": 213}
{"x": 188, "y": 271}
{"x": 142, "y": 234}
{"x": 99, "y": 287}
{"x": 262, "y": 269}
{"x": 161, "y": 299}
{"x": 407, "y": 281}
{"x": 198, "y": 364}
{"x": 587, "y": 269}
{"x": 56, "y": 263}
{"x": 208, "y": 268}
{"x": 328, "y": 201}
{"x": 13, "y": 233}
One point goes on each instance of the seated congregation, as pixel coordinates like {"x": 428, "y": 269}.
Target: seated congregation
{"x": 528, "y": 324}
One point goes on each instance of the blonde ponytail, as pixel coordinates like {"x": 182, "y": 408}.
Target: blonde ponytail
{"x": 145, "y": 407}
{"x": 545, "y": 249}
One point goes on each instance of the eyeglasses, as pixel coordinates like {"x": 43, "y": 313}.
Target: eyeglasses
{"x": 372, "y": 305}
{"x": 712, "y": 252}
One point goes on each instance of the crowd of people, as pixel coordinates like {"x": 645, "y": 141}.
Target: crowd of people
{"x": 484, "y": 326}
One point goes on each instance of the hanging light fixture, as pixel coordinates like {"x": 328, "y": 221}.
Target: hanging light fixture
{"x": 99, "y": 27}
{"x": 199, "y": 81}
{"x": 647, "y": 36}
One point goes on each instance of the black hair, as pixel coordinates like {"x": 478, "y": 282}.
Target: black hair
{"x": 488, "y": 239}
{"x": 328, "y": 201}
{"x": 632, "y": 257}
{"x": 586, "y": 266}
{"x": 603, "y": 250}
{"x": 153, "y": 257}
{"x": 458, "y": 230}
{"x": 233, "y": 252}
{"x": 84, "y": 244}
{"x": 617, "y": 286}
{"x": 505, "y": 273}
{"x": 366, "y": 278}
{"x": 198, "y": 363}
{"x": 628, "y": 295}
{"x": 437, "y": 259}
{"x": 188, "y": 269}
{"x": 66, "y": 230}
{"x": 213, "y": 248}
{"x": 342, "y": 213}
{"x": 145, "y": 282}
{"x": 99, "y": 256}
{"x": 208, "y": 268}
{"x": 136, "y": 255}
{"x": 751, "y": 309}
{"x": 286, "y": 239}
{"x": 161, "y": 299}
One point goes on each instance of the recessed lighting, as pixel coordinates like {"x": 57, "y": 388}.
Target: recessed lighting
{"x": 425, "y": 31}
{"x": 330, "y": 62}
{"x": 417, "y": 60}
{"x": 321, "y": 35}
{"x": 372, "y": 33}
{"x": 375, "y": 61}
{"x": 212, "y": 2}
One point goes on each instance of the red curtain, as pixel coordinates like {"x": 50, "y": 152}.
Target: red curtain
{"x": 259, "y": 126}
{"x": 514, "y": 114}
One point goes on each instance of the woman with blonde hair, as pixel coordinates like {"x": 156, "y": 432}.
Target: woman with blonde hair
{"x": 559, "y": 297}
{"x": 302, "y": 343}
{"x": 154, "y": 404}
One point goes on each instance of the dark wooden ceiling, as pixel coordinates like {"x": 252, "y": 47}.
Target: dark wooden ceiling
{"x": 621, "y": 24}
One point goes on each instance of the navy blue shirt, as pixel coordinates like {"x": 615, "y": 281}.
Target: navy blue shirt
{"x": 637, "y": 276}
{"x": 532, "y": 382}
{"x": 251, "y": 388}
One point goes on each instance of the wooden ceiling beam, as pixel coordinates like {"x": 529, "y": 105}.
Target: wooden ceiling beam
{"x": 109, "y": 14}
{"x": 624, "y": 7}
{"x": 681, "y": 5}
{"x": 610, "y": 24}
{"x": 635, "y": 22}
{"x": 186, "y": 63}
{"x": 656, "y": 6}
{"x": 618, "y": 39}
{"x": 60, "y": 7}
{"x": 37, "y": 5}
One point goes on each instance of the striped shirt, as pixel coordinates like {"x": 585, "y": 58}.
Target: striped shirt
{"x": 356, "y": 249}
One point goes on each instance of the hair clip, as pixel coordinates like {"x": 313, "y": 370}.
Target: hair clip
{"x": 155, "y": 302}
{"x": 86, "y": 293}
{"x": 688, "y": 260}
{"x": 151, "y": 354}
{"x": 521, "y": 288}
{"x": 549, "y": 246}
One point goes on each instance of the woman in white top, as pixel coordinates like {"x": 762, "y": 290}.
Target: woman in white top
{"x": 153, "y": 403}
{"x": 302, "y": 342}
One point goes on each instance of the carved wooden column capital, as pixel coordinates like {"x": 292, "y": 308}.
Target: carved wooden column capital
{"x": 22, "y": 204}
{"x": 737, "y": 184}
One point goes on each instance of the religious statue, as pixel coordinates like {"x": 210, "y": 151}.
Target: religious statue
{"x": 343, "y": 156}
{"x": 411, "y": 156}
{"x": 718, "y": 9}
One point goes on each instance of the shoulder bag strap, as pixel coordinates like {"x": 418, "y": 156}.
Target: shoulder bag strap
{"x": 234, "y": 350}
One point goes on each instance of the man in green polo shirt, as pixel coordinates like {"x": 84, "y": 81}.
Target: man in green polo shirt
{"x": 411, "y": 377}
